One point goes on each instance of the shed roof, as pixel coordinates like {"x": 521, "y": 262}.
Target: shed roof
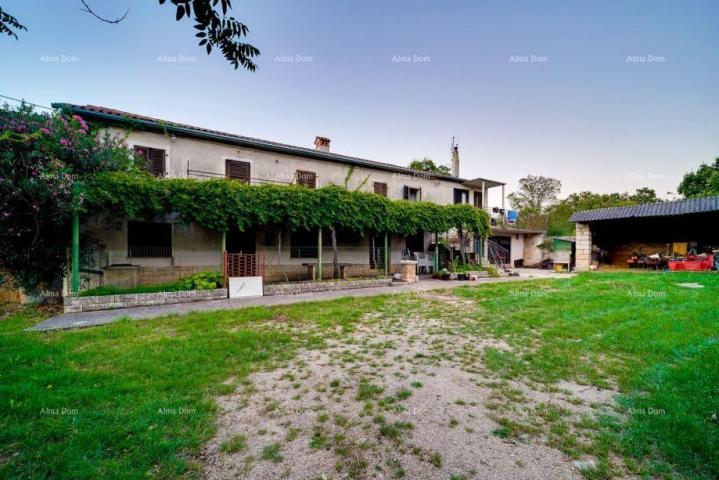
{"x": 659, "y": 209}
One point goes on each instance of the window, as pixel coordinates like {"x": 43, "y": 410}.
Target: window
{"x": 461, "y": 195}
{"x": 149, "y": 239}
{"x": 237, "y": 170}
{"x": 303, "y": 243}
{"x": 412, "y": 194}
{"x": 478, "y": 200}
{"x": 154, "y": 159}
{"x": 306, "y": 179}
{"x": 380, "y": 188}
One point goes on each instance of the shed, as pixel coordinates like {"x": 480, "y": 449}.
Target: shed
{"x": 617, "y": 235}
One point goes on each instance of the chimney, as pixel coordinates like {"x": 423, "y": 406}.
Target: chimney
{"x": 455, "y": 160}
{"x": 322, "y": 143}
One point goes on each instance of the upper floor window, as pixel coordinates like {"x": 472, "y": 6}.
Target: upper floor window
{"x": 412, "y": 194}
{"x": 380, "y": 188}
{"x": 154, "y": 159}
{"x": 478, "y": 203}
{"x": 306, "y": 179}
{"x": 237, "y": 170}
{"x": 461, "y": 195}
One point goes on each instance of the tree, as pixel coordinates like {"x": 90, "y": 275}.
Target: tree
{"x": 558, "y": 215}
{"x": 534, "y": 195}
{"x": 535, "y": 192}
{"x": 41, "y": 157}
{"x": 8, "y": 23}
{"x": 702, "y": 183}
{"x": 428, "y": 165}
{"x": 215, "y": 29}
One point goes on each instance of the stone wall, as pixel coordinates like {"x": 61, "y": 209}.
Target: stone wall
{"x": 274, "y": 274}
{"x": 299, "y": 288}
{"x": 110, "y": 302}
{"x": 584, "y": 247}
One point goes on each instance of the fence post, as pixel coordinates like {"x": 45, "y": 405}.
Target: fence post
{"x": 319, "y": 254}
{"x": 224, "y": 269}
{"x": 386, "y": 254}
{"x": 75, "y": 284}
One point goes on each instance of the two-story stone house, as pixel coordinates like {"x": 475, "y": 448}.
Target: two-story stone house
{"x": 150, "y": 247}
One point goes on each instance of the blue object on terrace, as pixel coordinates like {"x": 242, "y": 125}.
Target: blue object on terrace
{"x": 512, "y": 216}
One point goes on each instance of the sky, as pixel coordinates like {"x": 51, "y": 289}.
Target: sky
{"x": 603, "y": 95}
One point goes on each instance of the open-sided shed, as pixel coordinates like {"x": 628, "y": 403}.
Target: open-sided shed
{"x": 662, "y": 228}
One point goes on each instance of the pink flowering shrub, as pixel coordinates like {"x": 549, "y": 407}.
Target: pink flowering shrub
{"x": 41, "y": 155}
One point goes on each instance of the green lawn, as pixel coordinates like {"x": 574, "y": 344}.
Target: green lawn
{"x": 134, "y": 399}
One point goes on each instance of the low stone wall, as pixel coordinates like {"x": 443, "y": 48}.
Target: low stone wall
{"x": 299, "y": 288}
{"x": 298, "y": 273}
{"x": 110, "y": 302}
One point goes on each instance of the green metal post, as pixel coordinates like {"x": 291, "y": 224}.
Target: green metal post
{"x": 435, "y": 262}
{"x": 319, "y": 254}
{"x": 223, "y": 245}
{"x": 75, "y": 252}
{"x": 75, "y": 276}
{"x": 386, "y": 254}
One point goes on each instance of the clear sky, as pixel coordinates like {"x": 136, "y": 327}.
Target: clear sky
{"x": 553, "y": 88}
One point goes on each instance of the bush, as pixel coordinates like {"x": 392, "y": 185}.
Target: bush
{"x": 491, "y": 270}
{"x": 203, "y": 281}
{"x": 199, "y": 281}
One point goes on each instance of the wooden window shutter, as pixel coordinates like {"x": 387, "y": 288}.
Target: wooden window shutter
{"x": 142, "y": 152}
{"x": 405, "y": 192}
{"x": 236, "y": 170}
{"x": 306, "y": 179}
{"x": 157, "y": 162}
{"x": 153, "y": 159}
{"x": 380, "y": 188}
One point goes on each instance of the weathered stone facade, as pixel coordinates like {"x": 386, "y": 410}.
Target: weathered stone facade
{"x": 300, "y": 288}
{"x": 110, "y": 302}
{"x": 584, "y": 247}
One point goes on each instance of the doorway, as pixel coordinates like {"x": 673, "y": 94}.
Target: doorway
{"x": 237, "y": 241}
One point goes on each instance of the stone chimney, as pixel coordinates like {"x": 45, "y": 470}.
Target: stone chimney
{"x": 455, "y": 160}
{"x": 322, "y": 143}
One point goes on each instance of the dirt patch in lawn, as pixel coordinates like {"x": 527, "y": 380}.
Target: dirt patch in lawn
{"x": 400, "y": 397}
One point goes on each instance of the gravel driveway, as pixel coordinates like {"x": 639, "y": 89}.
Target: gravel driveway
{"x": 404, "y": 395}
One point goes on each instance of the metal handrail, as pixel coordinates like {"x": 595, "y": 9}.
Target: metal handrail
{"x": 496, "y": 254}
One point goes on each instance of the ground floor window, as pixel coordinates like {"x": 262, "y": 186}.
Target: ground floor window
{"x": 303, "y": 243}
{"x": 149, "y": 239}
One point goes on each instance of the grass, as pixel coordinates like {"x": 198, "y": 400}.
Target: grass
{"x": 235, "y": 444}
{"x": 661, "y": 350}
{"x": 272, "y": 453}
{"x": 394, "y": 430}
{"x": 136, "y": 399}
